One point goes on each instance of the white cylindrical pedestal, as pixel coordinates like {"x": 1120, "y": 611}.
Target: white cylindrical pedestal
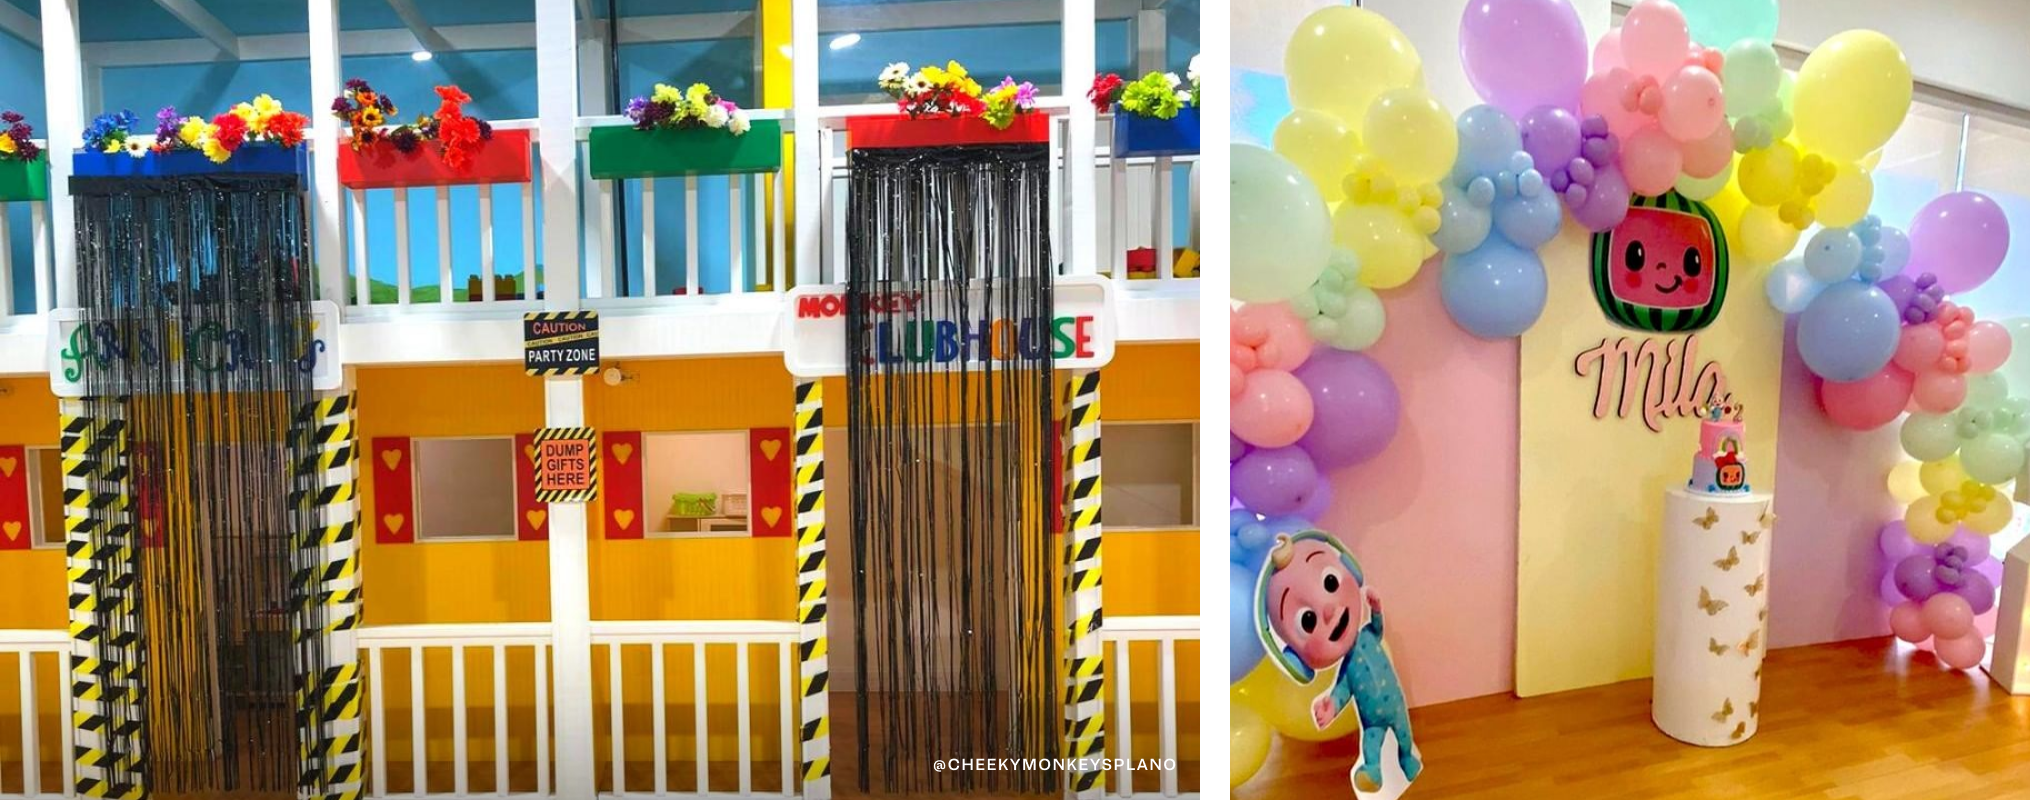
{"x": 1712, "y": 616}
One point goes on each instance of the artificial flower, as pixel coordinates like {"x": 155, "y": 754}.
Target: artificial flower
{"x": 18, "y": 140}
{"x": 892, "y": 76}
{"x": 192, "y": 132}
{"x": 697, "y": 106}
{"x": 108, "y": 131}
{"x": 136, "y": 149}
{"x": 287, "y": 127}
{"x": 215, "y": 151}
{"x": 6, "y": 144}
{"x": 715, "y": 117}
{"x": 1152, "y": 96}
{"x": 665, "y": 93}
{"x": 229, "y": 131}
{"x": 371, "y": 117}
{"x": 737, "y": 124}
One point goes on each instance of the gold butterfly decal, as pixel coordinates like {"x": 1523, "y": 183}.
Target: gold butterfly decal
{"x": 1754, "y": 708}
{"x": 1726, "y": 710}
{"x": 1750, "y": 537}
{"x": 1762, "y": 615}
{"x": 1740, "y": 730}
{"x": 1707, "y": 520}
{"x": 1755, "y": 588}
{"x": 1708, "y": 604}
{"x": 1768, "y": 518}
{"x": 1715, "y": 646}
{"x": 1733, "y": 559}
{"x": 1758, "y": 672}
{"x": 1753, "y": 641}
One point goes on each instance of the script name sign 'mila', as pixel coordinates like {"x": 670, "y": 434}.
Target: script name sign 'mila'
{"x": 171, "y": 347}
{"x": 560, "y": 342}
{"x": 913, "y": 327}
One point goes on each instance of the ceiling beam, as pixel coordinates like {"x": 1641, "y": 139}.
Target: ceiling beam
{"x": 585, "y": 11}
{"x": 427, "y": 36}
{"x": 19, "y": 23}
{"x": 203, "y": 24}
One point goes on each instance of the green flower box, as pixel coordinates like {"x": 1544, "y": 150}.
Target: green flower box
{"x": 24, "y": 180}
{"x": 620, "y": 151}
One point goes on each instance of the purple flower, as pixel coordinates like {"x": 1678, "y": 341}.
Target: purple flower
{"x": 657, "y": 113}
{"x": 1025, "y": 94}
{"x": 386, "y": 104}
{"x": 405, "y": 139}
{"x": 355, "y": 83}
{"x": 10, "y": 116}
{"x": 637, "y": 110}
{"x": 341, "y": 106}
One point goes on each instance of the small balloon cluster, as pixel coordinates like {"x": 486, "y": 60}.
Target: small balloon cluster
{"x": 1935, "y": 591}
{"x": 1337, "y": 310}
{"x": 1661, "y": 93}
{"x": 1336, "y": 409}
{"x": 1498, "y": 210}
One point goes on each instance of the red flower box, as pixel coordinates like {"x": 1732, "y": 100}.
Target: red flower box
{"x": 501, "y": 159}
{"x": 902, "y": 131}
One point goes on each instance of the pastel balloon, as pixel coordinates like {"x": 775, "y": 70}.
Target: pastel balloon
{"x": 1718, "y": 23}
{"x": 1278, "y": 337}
{"x": 1992, "y": 518}
{"x": 1992, "y": 458}
{"x": 1520, "y": 54}
{"x": 1651, "y": 160}
{"x": 1894, "y": 541}
{"x": 1381, "y": 237}
{"x": 1322, "y": 148}
{"x": 1361, "y": 325}
{"x": 1550, "y": 134}
{"x": 1496, "y": 291}
{"x": 1930, "y": 437}
{"x": 1869, "y": 403}
{"x": 1703, "y": 189}
{"x": 1274, "y": 481}
{"x": 1607, "y": 52}
{"x": 1488, "y": 141}
{"x": 1895, "y": 246}
{"x": 1411, "y": 135}
{"x": 1906, "y": 620}
{"x": 1654, "y": 39}
{"x": 1769, "y": 175}
{"x": 1922, "y": 519}
{"x": 1602, "y": 95}
{"x": 1606, "y": 204}
{"x": 1833, "y": 254}
{"x": 1791, "y": 287}
{"x": 1318, "y": 503}
{"x": 1988, "y": 346}
{"x": 1977, "y": 547}
{"x": 1949, "y": 616}
{"x": 1849, "y": 332}
{"x": 1887, "y": 591}
{"x": 1845, "y": 200}
{"x": 1961, "y": 238}
{"x": 1250, "y": 741}
{"x": 1529, "y": 222}
{"x": 1692, "y": 106}
{"x": 1286, "y": 704}
{"x": 1342, "y": 57}
{"x": 1962, "y": 652}
{"x": 1914, "y": 576}
{"x": 1851, "y": 94}
{"x": 1938, "y": 392}
{"x": 1710, "y": 155}
{"x": 1752, "y": 74}
{"x": 1978, "y": 591}
{"x": 1764, "y": 237}
{"x": 1904, "y": 485}
{"x": 1462, "y": 223}
{"x": 1282, "y": 234}
{"x": 1918, "y": 347}
{"x": 1273, "y": 410}
{"x": 1245, "y": 644}
{"x": 1942, "y": 475}
{"x": 1357, "y": 408}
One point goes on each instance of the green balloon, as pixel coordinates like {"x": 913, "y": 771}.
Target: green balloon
{"x": 1719, "y": 23}
{"x": 2017, "y": 368}
{"x": 1992, "y": 458}
{"x": 1752, "y": 75}
{"x": 1986, "y": 391}
{"x": 1930, "y": 437}
{"x": 1282, "y": 232}
{"x": 1360, "y": 326}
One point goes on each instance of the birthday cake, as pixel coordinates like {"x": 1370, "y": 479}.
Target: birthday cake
{"x": 1718, "y": 467}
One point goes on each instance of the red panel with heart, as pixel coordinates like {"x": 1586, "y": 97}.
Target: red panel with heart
{"x": 394, "y": 491}
{"x": 621, "y": 484}
{"x": 532, "y": 519}
{"x": 16, "y": 529}
{"x": 769, "y": 453}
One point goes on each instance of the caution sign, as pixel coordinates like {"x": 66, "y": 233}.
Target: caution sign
{"x": 567, "y": 465}
{"x": 560, "y": 342}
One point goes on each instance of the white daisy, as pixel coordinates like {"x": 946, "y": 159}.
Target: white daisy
{"x": 136, "y": 149}
{"x": 916, "y": 84}
{"x": 1191, "y": 70}
{"x": 737, "y": 123}
{"x": 893, "y": 76}
{"x": 1171, "y": 78}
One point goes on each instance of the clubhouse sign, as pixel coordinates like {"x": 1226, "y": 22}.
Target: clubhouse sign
{"x": 915, "y": 327}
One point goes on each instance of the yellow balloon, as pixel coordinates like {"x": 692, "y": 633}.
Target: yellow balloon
{"x": 1943, "y": 475}
{"x": 1852, "y": 93}
{"x": 1390, "y": 250}
{"x": 1321, "y": 146}
{"x": 1342, "y": 57}
{"x": 1703, "y": 189}
{"x": 1765, "y": 238}
{"x": 1904, "y": 484}
{"x": 1993, "y": 518}
{"x": 1921, "y": 519}
{"x": 1286, "y": 704}
{"x": 1728, "y": 204}
{"x": 1769, "y": 175}
{"x": 1845, "y": 201}
{"x": 1250, "y": 746}
{"x": 1411, "y": 134}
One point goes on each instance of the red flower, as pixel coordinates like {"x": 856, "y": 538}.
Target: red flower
{"x": 459, "y": 135}
{"x": 967, "y": 104}
{"x": 452, "y": 96}
{"x": 1105, "y": 89}
{"x": 232, "y": 131}
{"x": 287, "y": 128}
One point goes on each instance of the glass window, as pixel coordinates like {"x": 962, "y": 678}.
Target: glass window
{"x": 695, "y": 483}
{"x": 465, "y": 489}
{"x": 45, "y": 496}
{"x": 1152, "y": 478}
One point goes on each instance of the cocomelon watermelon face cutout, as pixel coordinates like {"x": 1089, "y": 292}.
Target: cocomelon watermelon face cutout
{"x": 1664, "y": 268}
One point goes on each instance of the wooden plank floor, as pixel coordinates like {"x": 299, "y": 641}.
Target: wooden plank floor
{"x": 1861, "y": 719}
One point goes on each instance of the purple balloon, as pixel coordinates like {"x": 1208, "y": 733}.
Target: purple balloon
{"x": 1551, "y": 136}
{"x": 1979, "y": 592}
{"x": 1990, "y": 569}
{"x": 1895, "y": 541}
{"x": 1237, "y": 449}
{"x": 1913, "y": 576}
{"x": 1891, "y": 595}
{"x": 1275, "y": 481}
{"x": 1976, "y": 545}
{"x": 1900, "y": 288}
{"x": 1355, "y": 407}
{"x": 1520, "y": 54}
{"x": 1319, "y": 502}
{"x": 1606, "y": 203}
{"x": 1960, "y": 237}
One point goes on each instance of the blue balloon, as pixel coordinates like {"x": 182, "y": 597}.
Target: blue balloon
{"x": 1488, "y": 142}
{"x": 1833, "y": 254}
{"x": 1848, "y": 332}
{"x": 1529, "y": 221}
{"x": 1245, "y": 645}
{"x": 1790, "y": 287}
{"x": 1462, "y": 223}
{"x": 1494, "y": 292}
{"x": 1252, "y": 535}
{"x": 1895, "y": 246}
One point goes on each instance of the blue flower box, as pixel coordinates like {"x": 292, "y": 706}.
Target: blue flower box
{"x": 252, "y": 159}
{"x": 1144, "y": 137}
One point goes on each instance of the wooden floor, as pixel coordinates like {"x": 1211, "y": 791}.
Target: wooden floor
{"x": 1857, "y": 719}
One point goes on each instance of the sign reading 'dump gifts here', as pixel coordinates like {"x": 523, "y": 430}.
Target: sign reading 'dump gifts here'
{"x": 567, "y": 465}
{"x": 560, "y": 342}
{"x": 910, "y": 327}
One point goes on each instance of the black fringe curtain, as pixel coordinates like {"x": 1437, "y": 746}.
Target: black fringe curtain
{"x": 216, "y": 269}
{"x": 955, "y": 609}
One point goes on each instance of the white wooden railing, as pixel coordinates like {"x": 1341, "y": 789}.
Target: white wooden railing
{"x": 657, "y": 637}
{"x": 1138, "y": 196}
{"x": 44, "y": 297}
{"x": 41, "y": 659}
{"x": 1166, "y": 632}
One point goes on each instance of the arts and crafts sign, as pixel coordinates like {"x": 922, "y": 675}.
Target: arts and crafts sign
{"x": 925, "y": 327}
{"x": 119, "y": 352}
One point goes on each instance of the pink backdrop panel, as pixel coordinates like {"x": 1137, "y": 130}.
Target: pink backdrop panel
{"x": 1433, "y": 518}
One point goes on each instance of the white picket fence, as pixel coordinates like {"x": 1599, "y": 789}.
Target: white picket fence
{"x": 42, "y": 293}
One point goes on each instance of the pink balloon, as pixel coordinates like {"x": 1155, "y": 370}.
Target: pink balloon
{"x": 1961, "y": 652}
{"x": 1274, "y": 409}
{"x": 1602, "y": 95}
{"x": 1948, "y": 615}
{"x": 1651, "y": 160}
{"x": 1279, "y": 338}
{"x": 1906, "y": 620}
{"x": 1919, "y": 347}
{"x": 1607, "y": 52}
{"x": 1988, "y": 345}
{"x": 1961, "y": 238}
{"x": 1709, "y": 156}
{"x": 1939, "y": 392}
{"x": 1691, "y": 105}
{"x": 1870, "y": 402}
{"x": 1654, "y": 39}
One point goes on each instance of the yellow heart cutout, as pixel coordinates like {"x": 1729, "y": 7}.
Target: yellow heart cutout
{"x": 395, "y": 521}
{"x": 530, "y": 451}
{"x": 536, "y": 518}
{"x": 769, "y": 447}
{"x": 625, "y": 517}
{"x": 771, "y": 514}
{"x": 7, "y": 466}
{"x": 12, "y": 529}
{"x": 623, "y": 452}
{"x": 392, "y": 458}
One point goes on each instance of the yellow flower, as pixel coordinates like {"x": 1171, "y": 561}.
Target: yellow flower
{"x": 935, "y": 76}
{"x": 245, "y": 111}
{"x": 114, "y": 146}
{"x": 192, "y": 132}
{"x": 215, "y": 151}
{"x": 666, "y": 93}
{"x": 6, "y": 143}
{"x": 370, "y": 117}
{"x": 958, "y": 72}
{"x": 265, "y": 108}
{"x": 696, "y": 95}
